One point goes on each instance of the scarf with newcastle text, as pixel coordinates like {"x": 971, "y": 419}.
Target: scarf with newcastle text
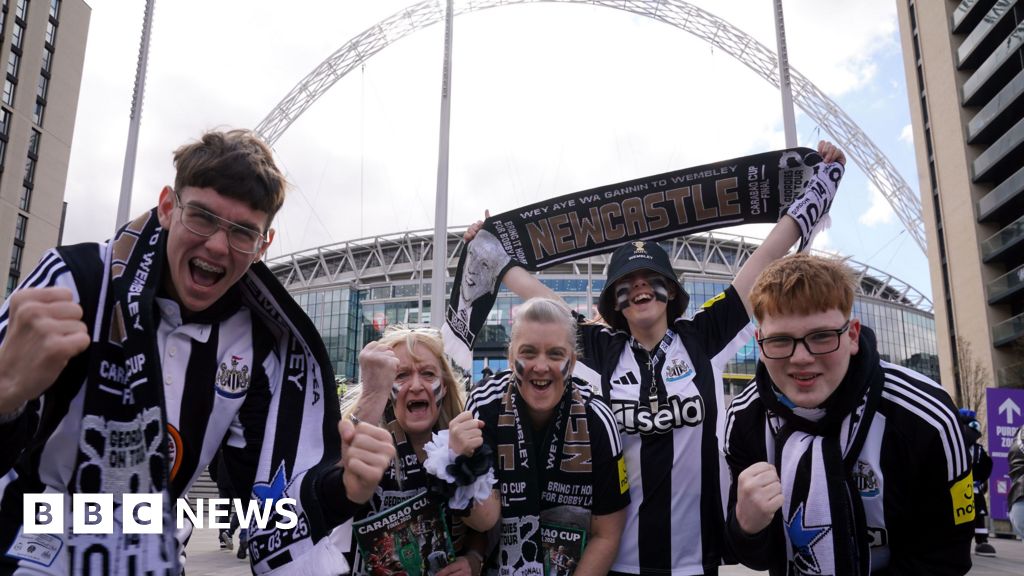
{"x": 563, "y": 450}
{"x": 816, "y": 451}
{"x": 748, "y": 190}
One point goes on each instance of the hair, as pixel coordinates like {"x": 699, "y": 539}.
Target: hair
{"x": 803, "y": 284}
{"x": 546, "y": 311}
{"x": 236, "y": 164}
{"x": 399, "y": 335}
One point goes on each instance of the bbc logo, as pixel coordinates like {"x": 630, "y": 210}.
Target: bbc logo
{"x": 93, "y": 514}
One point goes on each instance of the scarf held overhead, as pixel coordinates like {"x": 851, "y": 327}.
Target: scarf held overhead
{"x": 748, "y": 190}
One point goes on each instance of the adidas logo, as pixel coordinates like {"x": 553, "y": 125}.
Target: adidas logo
{"x": 628, "y": 380}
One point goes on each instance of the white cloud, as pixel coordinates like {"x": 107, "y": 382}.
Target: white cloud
{"x": 879, "y": 212}
{"x": 907, "y": 135}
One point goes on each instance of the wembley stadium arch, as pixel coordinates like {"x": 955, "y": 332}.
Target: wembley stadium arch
{"x": 682, "y": 15}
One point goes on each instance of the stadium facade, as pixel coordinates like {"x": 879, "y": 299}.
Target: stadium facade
{"x": 354, "y": 290}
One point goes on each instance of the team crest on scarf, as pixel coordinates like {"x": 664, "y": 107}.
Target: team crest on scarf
{"x": 233, "y": 382}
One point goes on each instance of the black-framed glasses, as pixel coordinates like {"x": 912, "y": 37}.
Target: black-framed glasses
{"x": 816, "y": 343}
{"x": 205, "y": 223}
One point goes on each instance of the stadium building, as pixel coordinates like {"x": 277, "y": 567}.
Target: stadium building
{"x": 354, "y": 290}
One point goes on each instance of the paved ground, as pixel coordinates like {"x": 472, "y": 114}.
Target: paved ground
{"x": 206, "y": 559}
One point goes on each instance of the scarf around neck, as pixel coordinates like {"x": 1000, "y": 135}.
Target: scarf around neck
{"x": 815, "y": 453}
{"x": 522, "y": 549}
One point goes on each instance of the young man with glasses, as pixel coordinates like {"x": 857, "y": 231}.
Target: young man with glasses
{"x": 842, "y": 463}
{"x": 126, "y": 365}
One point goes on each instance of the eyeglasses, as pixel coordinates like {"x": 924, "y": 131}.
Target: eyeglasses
{"x": 205, "y": 223}
{"x": 817, "y": 343}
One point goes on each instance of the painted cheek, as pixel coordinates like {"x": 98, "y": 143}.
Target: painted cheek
{"x": 565, "y": 370}
{"x": 659, "y": 287}
{"x": 622, "y": 296}
{"x": 520, "y": 369}
{"x": 395, "y": 389}
{"x": 439, "y": 391}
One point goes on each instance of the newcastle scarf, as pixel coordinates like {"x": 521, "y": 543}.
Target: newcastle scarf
{"x": 816, "y": 451}
{"x": 748, "y": 190}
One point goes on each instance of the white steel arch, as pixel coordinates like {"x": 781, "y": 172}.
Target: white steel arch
{"x": 683, "y": 15}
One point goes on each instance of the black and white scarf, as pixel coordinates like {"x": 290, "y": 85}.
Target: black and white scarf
{"x": 522, "y": 551}
{"x": 748, "y": 190}
{"x": 123, "y": 448}
{"x": 816, "y": 451}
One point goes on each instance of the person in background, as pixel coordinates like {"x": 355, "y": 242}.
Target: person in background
{"x": 842, "y": 463}
{"x": 981, "y": 465}
{"x": 1015, "y": 499}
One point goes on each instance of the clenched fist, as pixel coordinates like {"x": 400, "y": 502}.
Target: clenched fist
{"x": 758, "y": 497}
{"x": 366, "y": 452}
{"x": 45, "y": 331}
{"x": 378, "y": 367}
{"x": 464, "y": 435}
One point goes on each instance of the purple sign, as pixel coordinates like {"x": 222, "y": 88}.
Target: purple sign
{"x": 1005, "y": 415}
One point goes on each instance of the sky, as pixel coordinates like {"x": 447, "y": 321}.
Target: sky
{"x": 547, "y": 99}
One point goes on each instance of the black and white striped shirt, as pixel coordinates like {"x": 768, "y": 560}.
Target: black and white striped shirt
{"x": 677, "y": 476}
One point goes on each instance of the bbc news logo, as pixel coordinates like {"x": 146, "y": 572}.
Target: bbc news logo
{"x": 143, "y": 513}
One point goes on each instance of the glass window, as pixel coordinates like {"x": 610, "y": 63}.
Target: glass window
{"x": 30, "y": 171}
{"x": 16, "y": 257}
{"x": 37, "y": 114}
{"x": 12, "y": 283}
{"x": 22, "y": 9}
{"x": 13, "y": 63}
{"x": 51, "y": 33}
{"x": 33, "y": 143}
{"x": 44, "y": 86}
{"x": 17, "y": 36}
{"x": 26, "y": 198}
{"x": 54, "y": 9}
{"x": 5, "y": 123}
{"x": 19, "y": 228}
{"x": 47, "y": 61}
{"x": 8, "y": 92}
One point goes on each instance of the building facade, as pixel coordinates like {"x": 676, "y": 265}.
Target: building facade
{"x": 43, "y": 47}
{"x": 353, "y": 290}
{"x": 964, "y": 62}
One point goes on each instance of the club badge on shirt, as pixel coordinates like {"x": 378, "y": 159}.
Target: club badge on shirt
{"x": 233, "y": 382}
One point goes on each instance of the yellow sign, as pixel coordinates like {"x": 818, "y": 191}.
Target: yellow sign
{"x": 623, "y": 477}
{"x": 963, "y": 500}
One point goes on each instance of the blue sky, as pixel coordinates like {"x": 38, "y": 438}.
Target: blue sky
{"x": 547, "y": 99}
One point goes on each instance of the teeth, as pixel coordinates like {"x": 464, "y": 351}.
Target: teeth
{"x": 540, "y": 383}
{"x": 642, "y": 298}
{"x": 207, "y": 266}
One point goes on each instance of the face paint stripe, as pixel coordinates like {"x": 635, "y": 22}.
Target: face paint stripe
{"x": 622, "y": 296}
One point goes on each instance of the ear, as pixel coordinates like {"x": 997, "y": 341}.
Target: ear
{"x": 266, "y": 244}
{"x": 854, "y": 334}
{"x": 165, "y": 207}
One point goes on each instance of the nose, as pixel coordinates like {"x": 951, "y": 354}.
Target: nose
{"x": 801, "y": 355}
{"x": 218, "y": 242}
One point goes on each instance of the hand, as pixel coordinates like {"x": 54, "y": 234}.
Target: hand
{"x": 758, "y": 497}
{"x": 475, "y": 227}
{"x": 366, "y": 452}
{"x": 830, "y": 153}
{"x": 462, "y": 566}
{"x": 45, "y": 332}
{"x": 378, "y": 367}
{"x": 464, "y": 435}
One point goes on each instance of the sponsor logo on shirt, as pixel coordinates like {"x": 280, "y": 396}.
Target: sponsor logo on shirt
{"x": 636, "y": 418}
{"x": 623, "y": 477}
{"x": 233, "y": 382}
